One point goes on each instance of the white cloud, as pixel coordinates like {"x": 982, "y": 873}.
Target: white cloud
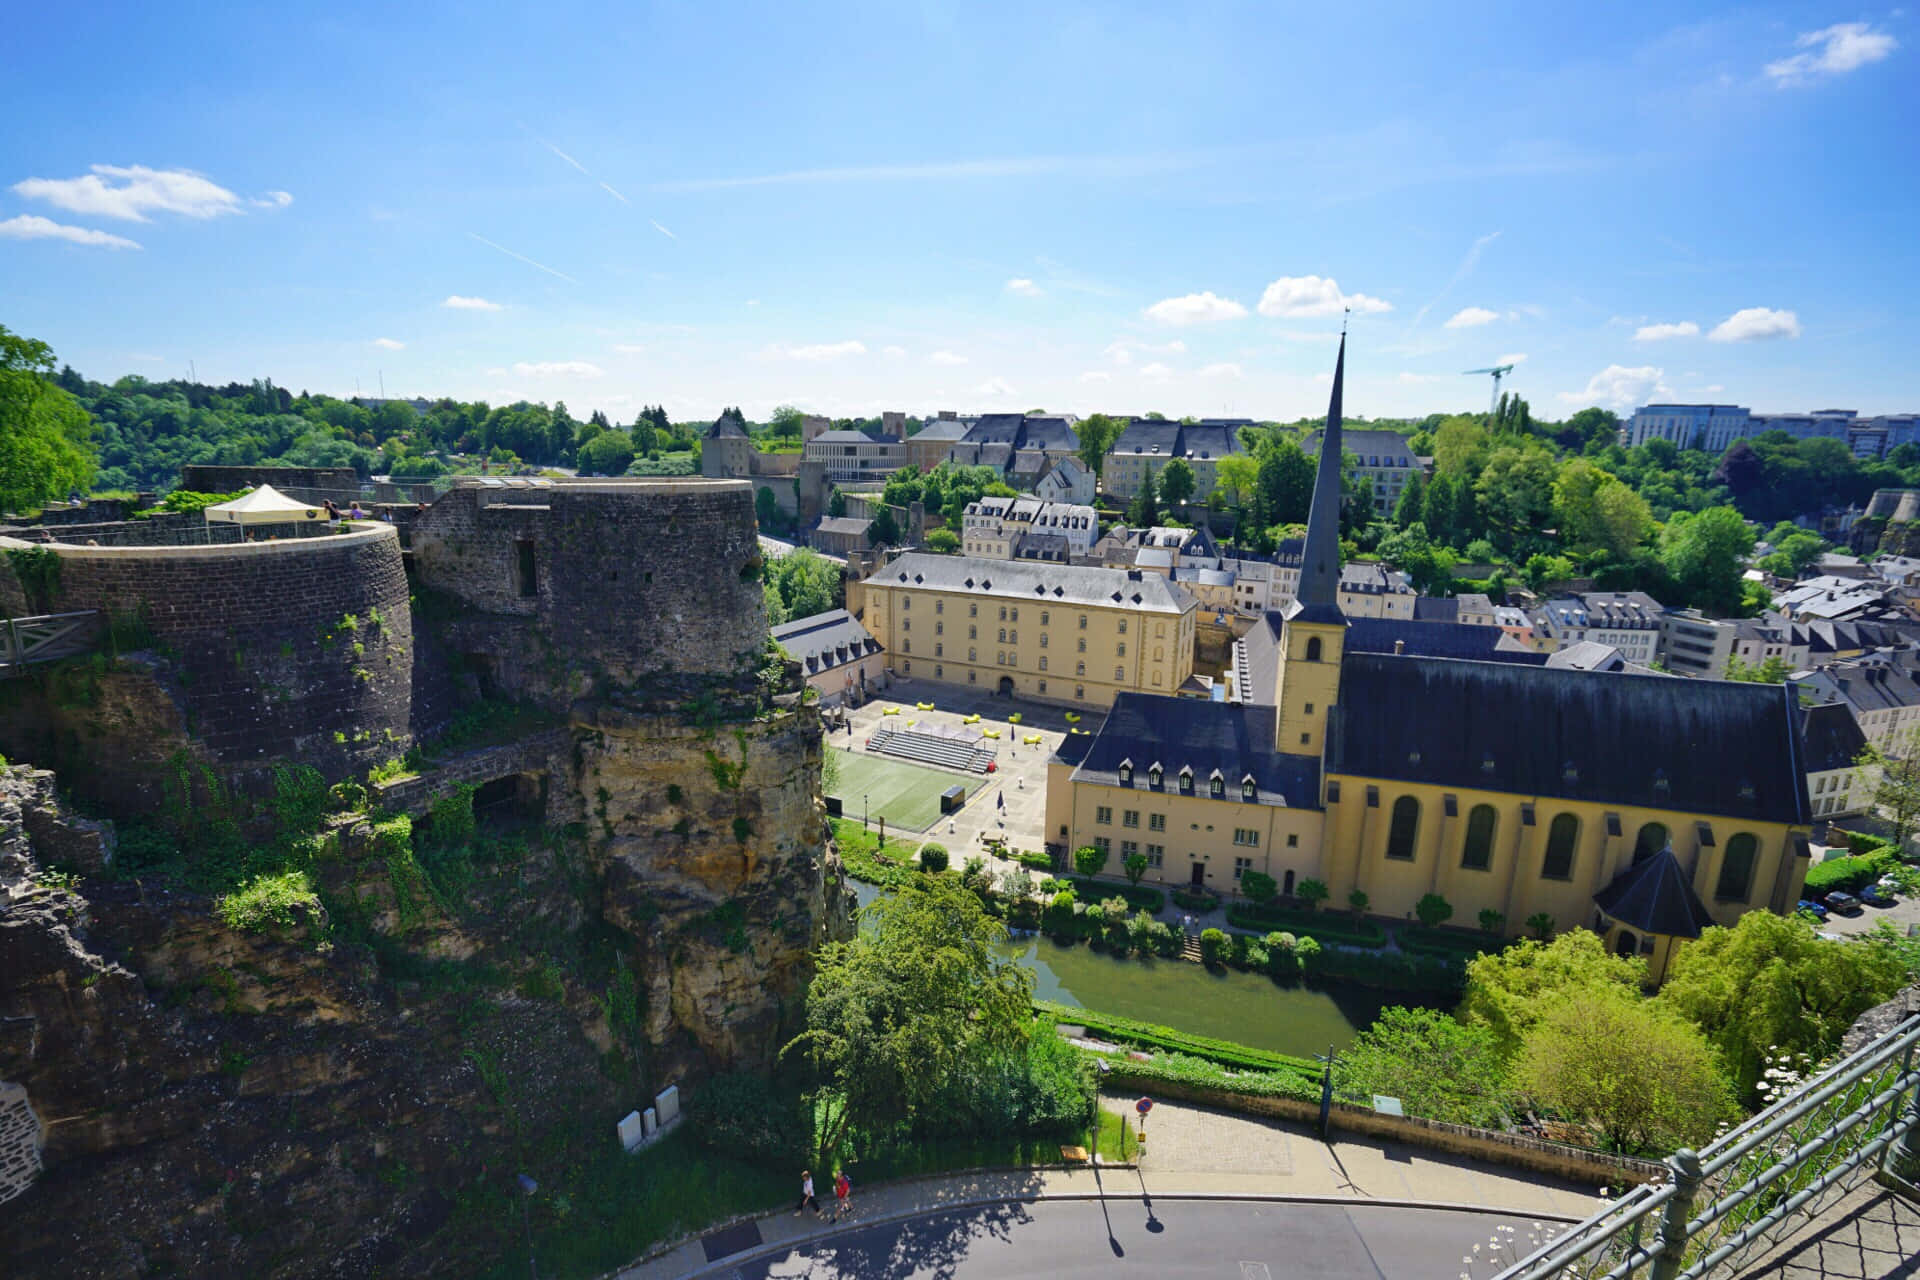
{"x": 1177, "y": 346}
{"x": 1713, "y": 388}
{"x": 656, "y": 226}
{"x": 1096, "y": 375}
{"x": 131, "y": 193}
{"x": 272, "y": 200}
{"x": 389, "y": 344}
{"x": 1619, "y": 387}
{"x": 31, "y": 226}
{"x": 1831, "y": 51}
{"x": 947, "y": 357}
{"x": 894, "y": 353}
{"x": 995, "y": 387}
{"x": 629, "y": 348}
{"x": 460, "y": 302}
{"x": 1121, "y": 351}
{"x": 1469, "y": 317}
{"x": 753, "y": 302}
{"x": 1513, "y": 357}
{"x": 1314, "y": 296}
{"x": 557, "y": 368}
{"x": 1022, "y": 287}
{"x": 1225, "y": 369}
{"x": 1756, "y": 324}
{"x": 1195, "y": 308}
{"x": 1661, "y": 332}
{"x": 1415, "y": 379}
{"x": 1155, "y": 372}
{"x": 824, "y": 350}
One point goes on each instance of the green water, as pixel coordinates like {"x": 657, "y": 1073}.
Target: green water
{"x": 1242, "y": 1007}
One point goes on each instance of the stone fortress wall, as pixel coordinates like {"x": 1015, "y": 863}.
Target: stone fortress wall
{"x": 299, "y": 649}
{"x": 637, "y": 581}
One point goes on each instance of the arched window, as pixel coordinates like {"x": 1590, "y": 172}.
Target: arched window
{"x": 1562, "y": 836}
{"x": 1651, "y": 840}
{"x": 1477, "y": 853}
{"x": 1736, "y": 869}
{"x": 1626, "y": 944}
{"x": 1313, "y": 648}
{"x": 1404, "y": 829}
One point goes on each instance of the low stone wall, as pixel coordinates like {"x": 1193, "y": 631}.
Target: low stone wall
{"x": 1533, "y": 1154}
{"x": 544, "y": 753}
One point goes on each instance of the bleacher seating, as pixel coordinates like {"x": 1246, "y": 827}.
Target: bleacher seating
{"x": 942, "y": 751}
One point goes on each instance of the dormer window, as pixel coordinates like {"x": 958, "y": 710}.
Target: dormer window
{"x": 1217, "y": 786}
{"x": 1186, "y": 782}
{"x": 1154, "y": 774}
{"x": 1570, "y": 772}
{"x": 1126, "y": 773}
{"x": 1247, "y": 788}
{"x": 1661, "y": 783}
{"x": 1486, "y": 762}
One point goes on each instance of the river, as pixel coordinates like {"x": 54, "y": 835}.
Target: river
{"x": 1245, "y": 1008}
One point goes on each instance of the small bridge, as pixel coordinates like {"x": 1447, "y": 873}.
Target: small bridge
{"x": 47, "y": 638}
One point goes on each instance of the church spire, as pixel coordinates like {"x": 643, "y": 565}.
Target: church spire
{"x": 1320, "y": 562}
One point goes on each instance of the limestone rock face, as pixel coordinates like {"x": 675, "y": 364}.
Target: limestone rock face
{"x": 713, "y": 849}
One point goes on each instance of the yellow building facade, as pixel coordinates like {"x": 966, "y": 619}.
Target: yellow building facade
{"x": 1066, "y": 634}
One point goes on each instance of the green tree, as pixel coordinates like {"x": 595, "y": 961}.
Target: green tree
{"x": 1515, "y": 491}
{"x": 1089, "y": 859}
{"x": 1706, "y": 554}
{"x": 896, "y": 1013}
{"x": 883, "y": 532}
{"x": 1438, "y": 1067}
{"x": 1491, "y": 919}
{"x": 1358, "y": 902}
{"x": 837, "y": 503}
{"x": 1284, "y": 483}
{"x": 1597, "y": 513}
{"x": 1412, "y": 507}
{"x": 1177, "y": 482}
{"x": 934, "y": 858}
{"x": 1896, "y": 783}
{"x": 766, "y": 511}
{"x": 1258, "y": 886}
{"x": 1136, "y": 867}
{"x": 1235, "y": 477}
{"x": 1509, "y": 991}
{"x": 943, "y": 541}
{"x": 608, "y": 454}
{"x": 1432, "y": 910}
{"x": 787, "y": 422}
{"x": 1644, "y": 1078}
{"x": 1793, "y": 554}
{"x": 1773, "y": 670}
{"x": 1414, "y": 553}
{"x": 46, "y": 438}
{"x": 1460, "y": 448}
{"x": 1541, "y": 922}
{"x": 807, "y": 582}
{"x": 1311, "y": 892}
{"x": 1144, "y": 511}
{"x": 1769, "y": 985}
{"x": 1096, "y": 433}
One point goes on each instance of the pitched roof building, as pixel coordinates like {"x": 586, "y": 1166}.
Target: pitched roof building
{"x": 1449, "y": 764}
{"x": 1148, "y": 443}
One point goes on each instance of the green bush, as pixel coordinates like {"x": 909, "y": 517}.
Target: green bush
{"x": 1213, "y": 945}
{"x": 933, "y": 858}
{"x": 1330, "y": 929}
{"x": 1850, "y": 873}
{"x": 1089, "y": 860}
{"x": 1188, "y": 900}
{"x": 1401, "y": 972}
{"x": 745, "y": 1114}
{"x": 1448, "y": 944}
{"x": 1148, "y": 1035}
{"x": 1136, "y": 897}
{"x": 1259, "y": 886}
{"x": 269, "y": 902}
{"x": 1036, "y": 861}
{"x": 1181, "y": 1069}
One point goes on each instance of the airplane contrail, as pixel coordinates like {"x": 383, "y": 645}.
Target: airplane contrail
{"x": 522, "y": 257}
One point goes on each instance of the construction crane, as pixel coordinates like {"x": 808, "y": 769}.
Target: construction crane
{"x": 1498, "y": 371}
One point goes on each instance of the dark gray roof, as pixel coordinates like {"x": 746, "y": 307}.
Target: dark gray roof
{"x": 1830, "y": 737}
{"x": 1436, "y": 609}
{"x": 1152, "y": 437}
{"x": 1587, "y": 655}
{"x": 849, "y": 525}
{"x": 1209, "y": 443}
{"x": 826, "y": 640}
{"x": 948, "y": 429}
{"x": 1653, "y": 896}
{"x": 1188, "y": 733}
{"x": 996, "y": 428}
{"x": 1364, "y": 444}
{"x": 1695, "y": 746}
{"x": 1317, "y": 593}
{"x": 850, "y": 437}
{"x": 1434, "y": 640}
{"x": 1037, "y": 581}
{"x": 725, "y": 428}
{"x": 1053, "y": 434}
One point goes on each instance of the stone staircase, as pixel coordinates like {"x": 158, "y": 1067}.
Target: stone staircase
{"x": 957, "y": 754}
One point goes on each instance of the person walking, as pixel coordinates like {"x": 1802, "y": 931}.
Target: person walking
{"x": 806, "y": 1195}
{"x": 842, "y": 1188}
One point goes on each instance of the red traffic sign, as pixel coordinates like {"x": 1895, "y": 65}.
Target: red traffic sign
{"x": 1143, "y": 1106}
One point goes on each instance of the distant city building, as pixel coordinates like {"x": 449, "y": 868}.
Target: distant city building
{"x": 854, "y": 456}
{"x": 1148, "y": 444}
{"x": 1881, "y": 688}
{"x": 1627, "y": 620}
{"x": 1713, "y": 427}
{"x": 1067, "y": 480}
{"x": 993, "y": 528}
{"x": 1382, "y": 459}
{"x": 836, "y": 654}
{"x": 1830, "y": 744}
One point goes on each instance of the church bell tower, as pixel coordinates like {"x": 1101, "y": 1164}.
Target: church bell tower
{"x": 1314, "y": 632}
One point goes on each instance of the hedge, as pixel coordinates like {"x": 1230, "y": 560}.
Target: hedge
{"x": 1396, "y": 972}
{"x": 1190, "y": 901}
{"x": 1324, "y": 925}
{"x": 1179, "y": 1068}
{"x": 1147, "y": 1035}
{"x": 1139, "y": 897}
{"x": 1850, "y": 873}
{"x": 1035, "y": 861}
{"x": 1448, "y": 944}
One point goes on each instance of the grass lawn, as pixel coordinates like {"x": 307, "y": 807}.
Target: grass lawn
{"x": 907, "y": 795}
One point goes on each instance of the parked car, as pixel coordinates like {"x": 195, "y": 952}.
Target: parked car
{"x": 1813, "y": 908}
{"x": 1874, "y": 896}
{"x": 1845, "y": 903}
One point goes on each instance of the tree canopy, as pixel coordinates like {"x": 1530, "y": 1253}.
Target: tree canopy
{"x": 1510, "y": 991}
{"x": 46, "y": 438}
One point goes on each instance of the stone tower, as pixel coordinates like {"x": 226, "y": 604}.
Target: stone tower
{"x": 1314, "y": 633}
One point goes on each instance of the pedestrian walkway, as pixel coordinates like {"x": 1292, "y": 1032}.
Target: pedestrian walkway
{"x": 1869, "y": 1234}
{"x": 1197, "y": 1152}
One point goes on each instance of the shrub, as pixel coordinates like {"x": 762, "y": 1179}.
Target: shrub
{"x": 1491, "y": 920}
{"x": 1850, "y": 873}
{"x": 1433, "y": 910}
{"x": 1133, "y": 895}
{"x": 933, "y": 858}
{"x": 270, "y": 902}
{"x": 1312, "y": 892}
{"x": 1147, "y": 1035}
{"x": 1213, "y": 944}
{"x": 1037, "y": 861}
{"x": 1059, "y": 916}
{"x": 1135, "y": 867}
{"x": 1191, "y": 901}
{"x": 1338, "y": 930}
{"x": 1358, "y": 901}
{"x": 745, "y": 1116}
{"x": 1089, "y": 859}
{"x": 1259, "y": 886}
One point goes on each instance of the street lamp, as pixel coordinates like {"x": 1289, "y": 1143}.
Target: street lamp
{"x": 863, "y": 811}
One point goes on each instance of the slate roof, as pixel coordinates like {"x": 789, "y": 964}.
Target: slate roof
{"x": 949, "y": 429}
{"x": 1435, "y": 640}
{"x": 1872, "y": 682}
{"x": 1188, "y": 733}
{"x": 1209, "y": 443}
{"x": 1389, "y": 446}
{"x": 851, "y": 526}
{"x": 996, "y": 428}
{"x": 1035, "y": 581}
{"x": 1149, "y": 437}
{"x": 1699, "y": 746}
{"x": 826, "y": 640}
{"x": 725, "y": 428}
{"x": 1049, "y": 433}
{"x": 1653, "y": 896}
{"x": 1587, "y": 655}
{"x": 1830, "y": 737}
{"x": 850, "y": 437}
{"x": 1436, "y": 609}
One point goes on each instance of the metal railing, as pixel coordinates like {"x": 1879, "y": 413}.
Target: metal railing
{"x": 47, "y": 637}
{"x": 1760, "y": 1182}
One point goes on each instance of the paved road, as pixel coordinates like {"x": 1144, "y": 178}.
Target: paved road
{"x": 1218, "y": 1240}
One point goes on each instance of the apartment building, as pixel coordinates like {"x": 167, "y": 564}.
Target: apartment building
{"x": 851, "y": 457}
{"x": 1071, "y": 634}
{"x": 1627, "y": 620}
{"x": 996, "y": 528}
{"x": 1383, "y": 460}
{"x": 1148, "y": 444}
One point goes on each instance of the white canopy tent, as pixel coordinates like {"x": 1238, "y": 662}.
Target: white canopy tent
{"x": 265, "y": 505}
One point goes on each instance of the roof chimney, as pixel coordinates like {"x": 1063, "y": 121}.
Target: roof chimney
{"x": 1399, "y": 646}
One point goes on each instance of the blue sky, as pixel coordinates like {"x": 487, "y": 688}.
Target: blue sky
{"x": 855, "y": 207}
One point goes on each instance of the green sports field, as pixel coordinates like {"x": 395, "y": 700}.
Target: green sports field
{"x": 907, "y": 795}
